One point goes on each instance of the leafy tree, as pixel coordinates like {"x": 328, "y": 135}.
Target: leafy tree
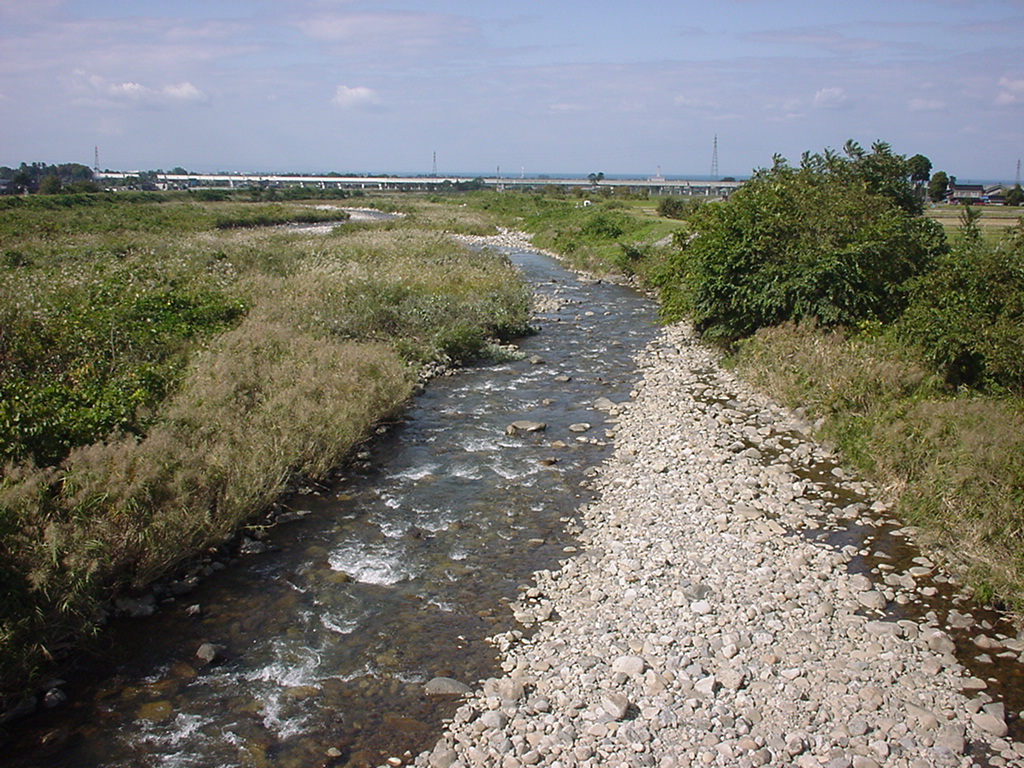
{"x": 595, "y": 178}
{"x": 967, "y": 314}
{"x": 50, "y": 185}
{"x": 1015, "y": 196}
{"x": 834, "y": 240}
{"x": 938, "y": 186}
{"x": 29, "y": 177}
{"x": 22, "y": 179}
{"x": 920, "y": 169}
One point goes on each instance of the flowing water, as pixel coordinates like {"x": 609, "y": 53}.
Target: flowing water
{"x": 393, "y": 576}
{"x": 397, "y": 573}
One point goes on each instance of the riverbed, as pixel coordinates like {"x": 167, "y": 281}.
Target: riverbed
{"x": 740, "y": 600}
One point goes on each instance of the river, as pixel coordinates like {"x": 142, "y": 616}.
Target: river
{"x": 394, "y": 575}
{"x": 398, "y": 572}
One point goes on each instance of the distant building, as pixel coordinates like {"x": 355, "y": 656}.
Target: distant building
{"x": 995, "y": 194}
{"x": 966, "y": 194}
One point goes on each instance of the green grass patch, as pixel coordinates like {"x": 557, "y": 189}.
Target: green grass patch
{"x": 601, "y": 236}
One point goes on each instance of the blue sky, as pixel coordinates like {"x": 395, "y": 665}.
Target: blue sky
{"x": 534, "y": 86}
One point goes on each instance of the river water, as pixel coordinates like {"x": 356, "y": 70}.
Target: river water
{"x": 397, "y": 572}
{"x": 394, "y": 575}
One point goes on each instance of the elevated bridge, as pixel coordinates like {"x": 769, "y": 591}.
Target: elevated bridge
{"x": 653, "y": 186}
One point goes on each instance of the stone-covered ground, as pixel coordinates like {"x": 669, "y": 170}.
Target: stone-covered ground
{"x": 699, "y": 625}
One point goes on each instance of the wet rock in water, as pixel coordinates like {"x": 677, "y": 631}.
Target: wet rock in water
{"x": 54, "y": 698}
{"x": 209, "y": 652}
{"x": 446, "y": 686}
{"x": 537, "y": 360}
{"x": 563, "y": 378}
{"x": 579, "y": 427}
{"x": 155, "y": 711}
{"x": 524, "y": 425}
{"x": 136, "y": 608}
{"x": 251, "y": 546}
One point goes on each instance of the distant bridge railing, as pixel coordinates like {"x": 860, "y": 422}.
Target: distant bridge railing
{"x": 653, "y": 186}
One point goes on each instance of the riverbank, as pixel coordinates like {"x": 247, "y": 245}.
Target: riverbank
{"x": 703, "y": 622}
{"x": 169, "y": 368}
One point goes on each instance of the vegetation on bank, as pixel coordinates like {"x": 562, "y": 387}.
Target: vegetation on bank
{"x": 167, "y": 367}
{"x": 832, "y": 288}
{"x": 168, "y": 363}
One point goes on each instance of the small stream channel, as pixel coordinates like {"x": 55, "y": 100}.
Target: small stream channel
{"x": 397, "y": 572}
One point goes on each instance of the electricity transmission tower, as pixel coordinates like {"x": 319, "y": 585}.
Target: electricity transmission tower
{"x": 714, "y": 160}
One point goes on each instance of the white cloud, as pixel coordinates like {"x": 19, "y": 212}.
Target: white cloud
{"x": 1012, "y": 92}
{"x": 566, "y": 107}
{"x": 926, "y": 105}
{"x": 390, "y": 34}
{"x": 830, "y": 98}
{"x": 357, "y": 97}
{"x": 93, "y": 90}
{"x": 686, "y": 101}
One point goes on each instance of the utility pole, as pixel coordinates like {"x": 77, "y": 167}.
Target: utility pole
{"x": 714, "y": 160}
{"x": 434, "y": 172}
{"x": 1018, "y": 172}
{"x": 96, "y": 161}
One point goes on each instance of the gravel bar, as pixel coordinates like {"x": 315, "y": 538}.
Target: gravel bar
{"x": 696, "y": 626}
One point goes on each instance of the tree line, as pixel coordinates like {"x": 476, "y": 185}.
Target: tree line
{"x": 42, "y": 178}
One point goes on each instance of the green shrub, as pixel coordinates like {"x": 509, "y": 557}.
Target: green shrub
{"x": 678, "y": 207}
{"x": 602, "y": 226}
{"x": 834, "y": 240}
{"x": 967, "y": 314}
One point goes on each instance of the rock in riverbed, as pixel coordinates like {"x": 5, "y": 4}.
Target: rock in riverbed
{"x": 524, "y": 425}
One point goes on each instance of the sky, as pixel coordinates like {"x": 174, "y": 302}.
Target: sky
{"x": 524, "y": 86}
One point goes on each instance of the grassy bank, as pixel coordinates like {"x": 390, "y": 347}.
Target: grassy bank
{"x": 599, "y": 233}
{"x": 166, "y": 367}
